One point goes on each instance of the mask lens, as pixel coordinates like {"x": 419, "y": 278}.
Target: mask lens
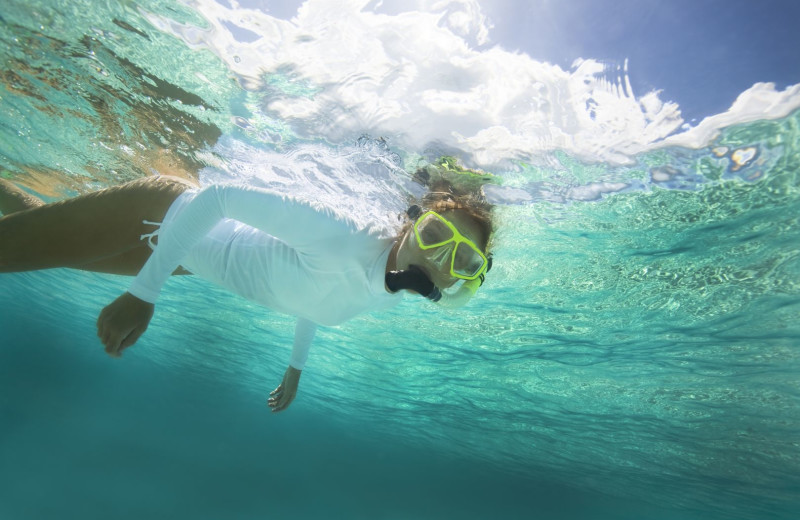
{"x": 467, "y": 261}
{"x": 433, "y": 231}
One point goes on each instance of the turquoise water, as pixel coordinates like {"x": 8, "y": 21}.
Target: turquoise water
{"x": 634, "y": 353}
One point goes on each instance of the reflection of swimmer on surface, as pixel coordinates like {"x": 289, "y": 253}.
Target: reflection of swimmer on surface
{"x": 293, "y": 257}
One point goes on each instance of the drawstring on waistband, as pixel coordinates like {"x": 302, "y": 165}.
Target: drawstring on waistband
{"x": 151, "y": 236}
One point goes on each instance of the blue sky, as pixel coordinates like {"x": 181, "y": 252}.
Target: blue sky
{"x": 699, "y": 53}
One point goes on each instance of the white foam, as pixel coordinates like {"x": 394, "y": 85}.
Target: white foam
{"x": 426, "y": 76}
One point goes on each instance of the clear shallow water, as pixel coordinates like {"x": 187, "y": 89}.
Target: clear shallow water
{"x": 633, "y": 354}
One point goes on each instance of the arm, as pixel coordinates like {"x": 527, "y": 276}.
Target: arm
{"x": 298, "y": 224}
{"x": 282, "y": 397}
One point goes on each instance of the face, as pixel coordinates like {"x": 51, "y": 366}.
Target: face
{"x": 436, "y": 262}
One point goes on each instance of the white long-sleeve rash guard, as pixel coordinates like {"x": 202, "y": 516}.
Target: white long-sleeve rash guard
{"x": 284, "y": 254}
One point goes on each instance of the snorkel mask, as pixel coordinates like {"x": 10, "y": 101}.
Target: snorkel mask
{"x": 444, "y": 244}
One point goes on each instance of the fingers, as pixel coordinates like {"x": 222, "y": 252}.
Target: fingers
{"x": 113, "y": 346}
{"x": 122, "y": 322}
{"x": 278, "y": 405}
{"x": 110, "y": 340}
{"x": 113, "y": 353}
{"x": 102, "y": 329}
{"x": 279, "y": 399}
{"x": 132, "y": 338}
{"x": 115, "y": 342}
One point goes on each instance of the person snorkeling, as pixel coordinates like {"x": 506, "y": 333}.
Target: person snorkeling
{"x": 293, "y": 257}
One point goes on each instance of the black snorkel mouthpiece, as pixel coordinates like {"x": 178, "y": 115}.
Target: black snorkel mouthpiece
{"x": 415, "y": 280}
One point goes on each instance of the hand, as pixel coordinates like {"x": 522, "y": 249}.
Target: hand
{"x": 122, "y": 323}
{"x": 282, "y": 397}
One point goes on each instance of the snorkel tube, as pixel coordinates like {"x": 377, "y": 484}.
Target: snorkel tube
{"x": 462, "y": 295}
{"x": 415, "y": 280}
